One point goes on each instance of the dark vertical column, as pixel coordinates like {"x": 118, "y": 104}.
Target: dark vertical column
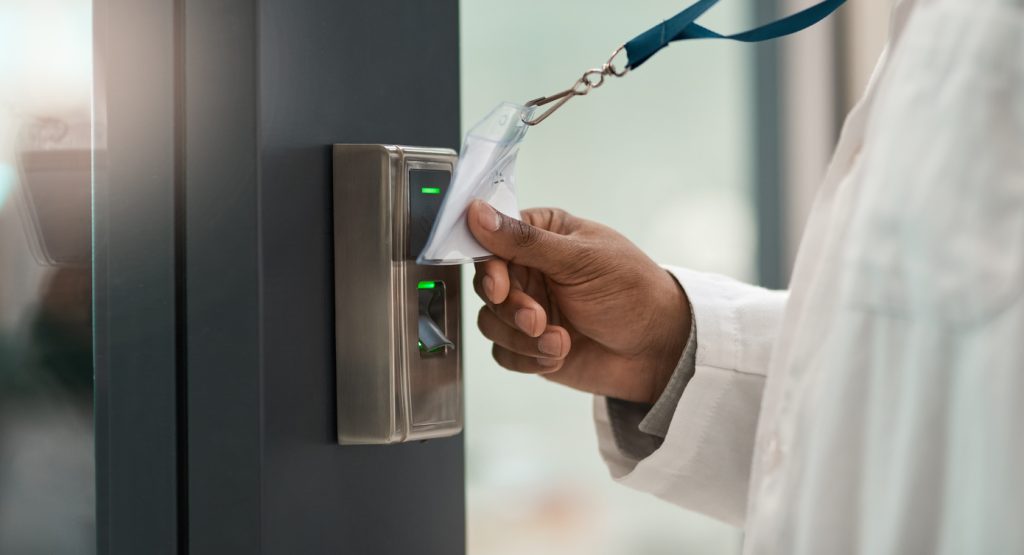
{"x": 135, "y": 278}
{"x": 269, "y": 88}
{"x": 841, "y": 60}
{"x": 772, "y": 268}
{"x": 224, "y": 314}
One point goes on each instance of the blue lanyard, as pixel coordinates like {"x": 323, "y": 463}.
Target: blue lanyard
{"x": 682, "y": 26}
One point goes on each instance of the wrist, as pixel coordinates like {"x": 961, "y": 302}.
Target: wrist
{"x": 671, "y": 331}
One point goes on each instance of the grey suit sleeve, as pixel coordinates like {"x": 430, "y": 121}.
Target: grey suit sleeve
{"x": 640, "y": 428}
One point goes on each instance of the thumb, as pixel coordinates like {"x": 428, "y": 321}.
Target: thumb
{"x": 517, "y": 241}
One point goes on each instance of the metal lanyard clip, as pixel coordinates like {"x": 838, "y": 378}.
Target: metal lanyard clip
{"x": 591, "y": 79}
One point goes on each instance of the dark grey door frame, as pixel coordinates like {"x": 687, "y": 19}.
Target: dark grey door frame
{"x": 136, "y": 279}
{"x": 214, "y": 336}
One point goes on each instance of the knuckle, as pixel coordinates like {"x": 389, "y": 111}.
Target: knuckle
{"x": 523, "y": 234}
{"x": 556, "y": 220}
{"x": 482, "y": 321}
{"x": 559, "y": 218}
{"x": 586, "y": 262}
{"x": 501, "y": 314}
{"x": 498, "y": 354}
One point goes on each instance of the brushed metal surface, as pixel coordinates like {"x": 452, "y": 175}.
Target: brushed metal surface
{"x": 388, "y": 391}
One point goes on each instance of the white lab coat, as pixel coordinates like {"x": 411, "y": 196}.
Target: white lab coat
{"x": 878, "y": 408}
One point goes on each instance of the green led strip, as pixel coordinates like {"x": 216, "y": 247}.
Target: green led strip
{"x": 426, "y": 350}
{"x": 426, "y": 285}
{"x": 430, "y": 190}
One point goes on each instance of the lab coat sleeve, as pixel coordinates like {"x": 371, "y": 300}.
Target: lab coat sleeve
{"x": 640, "y": 428}
{"x": 704, "y": 463}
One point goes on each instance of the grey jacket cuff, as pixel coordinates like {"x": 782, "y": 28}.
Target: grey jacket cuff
{"x": 640, "y": 428}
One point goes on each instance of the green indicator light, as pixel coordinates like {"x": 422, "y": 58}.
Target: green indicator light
{"x": 423, "y": 348}
{"x": 430, "y": 190}
{"x": 427, "y": 285}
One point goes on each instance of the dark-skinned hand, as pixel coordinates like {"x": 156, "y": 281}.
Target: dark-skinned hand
{"x": 578, "y": 303}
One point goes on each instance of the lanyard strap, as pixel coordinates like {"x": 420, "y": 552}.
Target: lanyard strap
{"x": 682, "y": 26}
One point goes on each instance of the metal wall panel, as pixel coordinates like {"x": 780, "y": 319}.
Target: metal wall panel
{"x": 270, "y": 87}
{"x": 221, "y": 126}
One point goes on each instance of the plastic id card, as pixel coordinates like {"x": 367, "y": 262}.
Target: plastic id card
{"x": 486, "y": 170}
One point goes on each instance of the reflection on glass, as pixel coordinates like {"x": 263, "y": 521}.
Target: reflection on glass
{"x": 663, "y": 155}
{"x": 47, "y": 469}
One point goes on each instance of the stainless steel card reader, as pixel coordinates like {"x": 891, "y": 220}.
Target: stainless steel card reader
{"x": 397, "y": 332}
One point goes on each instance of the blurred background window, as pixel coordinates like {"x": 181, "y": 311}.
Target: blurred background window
{"x": 665, "y": 157}
{"x": 47, "y": 470}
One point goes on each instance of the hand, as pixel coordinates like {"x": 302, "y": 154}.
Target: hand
{"x": 578, "y": 303}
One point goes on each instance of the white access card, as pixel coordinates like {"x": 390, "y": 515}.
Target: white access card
{"x": 485, "y": 170}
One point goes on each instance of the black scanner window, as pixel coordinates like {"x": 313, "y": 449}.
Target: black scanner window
{"x": 426, "y": 192}
{"x": 432, "y": 338}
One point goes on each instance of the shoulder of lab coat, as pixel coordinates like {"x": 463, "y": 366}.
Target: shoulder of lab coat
{"x": 704, "y": 463}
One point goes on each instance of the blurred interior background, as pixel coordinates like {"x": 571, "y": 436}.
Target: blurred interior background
{"x": 47, "y": 477}
{"x": 673, "y": 156}
{"x": 669, "y": 155}
{"x": 665, "y": 156}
